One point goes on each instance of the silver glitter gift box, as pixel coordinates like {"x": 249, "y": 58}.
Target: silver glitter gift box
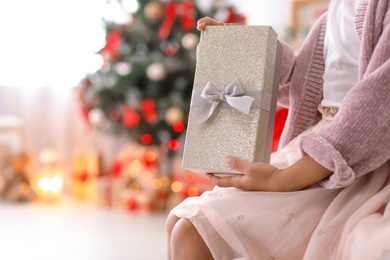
{"x": 234, "y": 98}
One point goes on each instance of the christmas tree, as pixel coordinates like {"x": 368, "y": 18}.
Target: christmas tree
{"x": 144, "y": 87}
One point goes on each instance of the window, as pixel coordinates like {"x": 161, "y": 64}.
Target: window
{"x": 49, "y": 43}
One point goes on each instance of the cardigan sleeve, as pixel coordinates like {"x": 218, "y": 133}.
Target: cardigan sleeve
{"x": 357, "y": 140}
{"x": 287, "y": 66}
{"x": 297, "y": 64}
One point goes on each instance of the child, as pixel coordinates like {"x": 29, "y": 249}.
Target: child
{"x": 326, "y": 191}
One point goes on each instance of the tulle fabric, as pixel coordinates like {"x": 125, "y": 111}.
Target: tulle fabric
{"x": 315, "y": 223}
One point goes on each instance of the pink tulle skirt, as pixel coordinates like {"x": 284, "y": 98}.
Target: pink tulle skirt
{"x": 315, "y": 223}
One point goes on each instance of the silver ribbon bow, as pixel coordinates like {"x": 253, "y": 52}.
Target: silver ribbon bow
{"x": 233, "y": 95}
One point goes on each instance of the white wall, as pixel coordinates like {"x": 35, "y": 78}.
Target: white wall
{"x": 262, "y": 12}
{"x": 265, "y": 12}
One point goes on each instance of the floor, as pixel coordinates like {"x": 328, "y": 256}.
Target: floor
{"x": 79, "y": 232}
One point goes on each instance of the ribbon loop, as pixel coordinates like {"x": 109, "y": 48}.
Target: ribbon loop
{"x": 233, "y": 95}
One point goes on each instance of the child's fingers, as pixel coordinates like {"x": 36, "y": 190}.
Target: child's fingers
{"x": 203, "y": 22}
{"x": 201, "y": 26}
{"x": 226, "y": 181}
{"x": 236, "y": 164}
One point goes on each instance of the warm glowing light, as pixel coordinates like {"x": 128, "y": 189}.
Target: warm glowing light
{"x": 165, "y": 181}
{"x": 135, "y": 165}
{"x": 134, "y": 187}
{"x": 104, "y": 203}
{"x": 147, "y": 176}
{"x": 50, "y": 184}
{"x": 156, "y": 184}
{"x": 192, "y": 191}
{"x": 128, "y": 203}
{"x": 133, "y": 174}
{"x": 176, "y": 186}
{"x": 190, "y": 177}
{"x": 150, "y": 156}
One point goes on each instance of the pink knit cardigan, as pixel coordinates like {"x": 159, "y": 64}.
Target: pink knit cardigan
{"x": 357, "y": 141}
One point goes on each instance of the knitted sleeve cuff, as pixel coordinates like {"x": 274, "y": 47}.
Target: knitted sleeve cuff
{"x": 325, "y": 154}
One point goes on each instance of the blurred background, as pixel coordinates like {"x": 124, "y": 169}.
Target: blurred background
{"x": 94, "y": 97}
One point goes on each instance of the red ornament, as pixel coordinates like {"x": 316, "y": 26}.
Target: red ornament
{"x": 130, "y": 204}
{"x": 113, "y": 40}
{"x": 146, "y": 139}
{"x": 235, "y": 18}
{"x": 148, "y": 109}
{"x": 170, "y": 50}
{"x": 116, "y": 169}
{"x": 174, "y": 145}
{"x": 280, "y": 120}
{"x": 178, "y": 127}
{"x": 85, "y": 116}
{"x": 172, "y": 9}
{"x": 84, "y": 176}
{"x": 130, "y": 117}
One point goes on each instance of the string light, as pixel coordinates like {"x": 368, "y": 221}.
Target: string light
{"x": 156, "y": 184}
{"x": 165, "y": 181}
{"x": 50, "y": 184}
{"x": 176, "y": 186}
{"x": 150, "y": 156}
{"x": 192, "y": 191}
{"x": 190, "y": 177}
{"x": 135, "y": 165}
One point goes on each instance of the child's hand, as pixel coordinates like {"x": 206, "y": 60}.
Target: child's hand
{"x": 265, "y": 177}
{"x": 254, "y": 177}
{"x": 203, "y": 22}
{"x": 207, "y": 21}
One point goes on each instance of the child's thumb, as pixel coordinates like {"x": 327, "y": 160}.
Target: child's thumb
{"x": 236, "y": 163}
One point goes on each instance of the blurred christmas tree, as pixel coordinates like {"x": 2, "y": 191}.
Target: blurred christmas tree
{"x": 144, "y": 87}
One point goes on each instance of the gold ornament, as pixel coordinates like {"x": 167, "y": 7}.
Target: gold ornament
{"x": 173, "y": 115}
{"x": 153, "y": 11}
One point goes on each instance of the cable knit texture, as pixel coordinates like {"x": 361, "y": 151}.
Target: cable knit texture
{"x": 357, "y": 140}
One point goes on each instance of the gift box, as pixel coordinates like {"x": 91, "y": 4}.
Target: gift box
{"x": 86, "y": 168}
{"x": 137, "y": 182}
{"x": 185, "y": 183}
{"x": 234, "y": 97}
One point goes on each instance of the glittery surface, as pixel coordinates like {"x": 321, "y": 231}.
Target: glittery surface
{"x": 227, "y": 52}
